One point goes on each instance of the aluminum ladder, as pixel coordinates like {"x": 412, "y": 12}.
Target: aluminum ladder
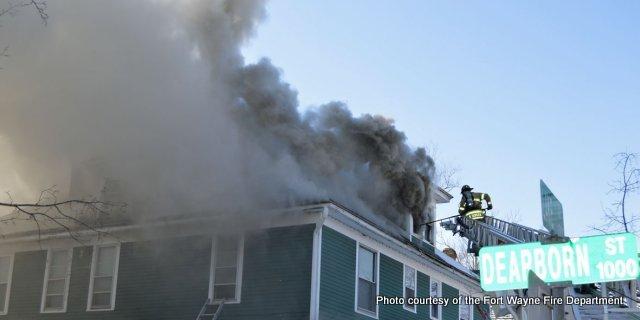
{"x": 206, "y": 312}
{"x": 494, "y": 231}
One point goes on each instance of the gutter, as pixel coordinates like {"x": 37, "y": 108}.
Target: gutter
{"x": 63, "y": 234}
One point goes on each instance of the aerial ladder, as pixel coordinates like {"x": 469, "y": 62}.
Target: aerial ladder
{"x": 492, "y": 231}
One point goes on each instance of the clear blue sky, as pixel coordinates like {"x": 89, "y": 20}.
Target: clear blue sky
{"x": 507, "y": 91}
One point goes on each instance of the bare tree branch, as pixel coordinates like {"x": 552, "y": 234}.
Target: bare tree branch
{"x": 459, "y": 245}
{"x": 445, "y": 176}
{"x": 12, "y": 8}
{"x": 68, "y": 215}
{"x": 618, "y": 218}
{"x": 40, "y": 7}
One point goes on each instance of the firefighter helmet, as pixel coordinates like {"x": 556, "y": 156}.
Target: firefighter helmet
{"x": 466, "y": 188}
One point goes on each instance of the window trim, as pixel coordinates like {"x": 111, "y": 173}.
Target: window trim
{"x": 470, "y": 306}
{"x": 376, "y": 255}
{"x": 114, "y": 281}
{"x": 9, "y": 280}
{"x": 438, "y": 294}
{"x": 66, "y": 284}
{"x": 404, "y": 287}
{"x": 239, "y": 267}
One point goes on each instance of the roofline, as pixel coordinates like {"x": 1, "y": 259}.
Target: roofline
{"x": 107, "y": 230}
{"x": 381, "y": 231}
{"x": 401, "y": 242}
{"x": 410, "y": 250}
{"x": 443, "y": 195}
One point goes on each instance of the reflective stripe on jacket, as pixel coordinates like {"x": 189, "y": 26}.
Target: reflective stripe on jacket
{"x": 477, "y": 202}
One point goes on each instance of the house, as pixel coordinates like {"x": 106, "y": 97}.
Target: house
{"x": 317, "y": 261}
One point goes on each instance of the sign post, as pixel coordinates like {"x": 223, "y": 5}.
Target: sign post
{"x": 553, "y": 220}
{"x": 537, "y": 288}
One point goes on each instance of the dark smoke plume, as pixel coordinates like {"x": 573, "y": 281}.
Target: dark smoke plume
{"x": 156, "y": 96}
{"x": 336, "y": 151}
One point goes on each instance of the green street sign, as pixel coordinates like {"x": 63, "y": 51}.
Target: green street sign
{"x": 595, "y": 259}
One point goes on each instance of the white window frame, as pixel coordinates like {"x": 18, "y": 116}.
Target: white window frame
{"x": 66, "y": 282}
{"x": 439, "y": 294}
{"x": 404, "y": 288}
{"x": 10, "y": 277}
{"x": 114, "y": 281}
{"x": 469, "y": 306}
{"x": 212, "y": 275}
{"x": 376, "y": 255}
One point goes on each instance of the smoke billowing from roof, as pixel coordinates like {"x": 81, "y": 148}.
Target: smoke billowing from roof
{"x": 157, "y": 96}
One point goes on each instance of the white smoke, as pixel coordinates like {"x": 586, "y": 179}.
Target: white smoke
{"x": 156, "y": 95}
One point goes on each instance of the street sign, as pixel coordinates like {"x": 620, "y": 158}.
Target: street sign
{"x": 552, "y": 217}
{"x": 594, "y": 259}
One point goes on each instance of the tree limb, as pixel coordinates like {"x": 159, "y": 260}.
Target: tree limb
{"x": 48, "y": 209}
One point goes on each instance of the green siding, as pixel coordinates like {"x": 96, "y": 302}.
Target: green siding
{"x": 392, "y": 285}
{"x": 277, "y": 276}
{"x": 337, "y": 277}
{"x": 481, "y": 312}
{"x": 147, "y": 287}
{"x": 26, "y": 284}
{"x": 423, "y": 291}
{"x": 337, "y": 284}
{"x": 169, "y": 279}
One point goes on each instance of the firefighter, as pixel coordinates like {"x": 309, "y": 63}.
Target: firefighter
{"x": 471, "y": 203}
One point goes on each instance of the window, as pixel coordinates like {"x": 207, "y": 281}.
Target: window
{"x": 435, "y": 290}
{"x": 366, "y": 286}
{"x": 429, "y": 233}
{"x": 56, "y": 281}
{"x": 409, "y": 287}
{"x": 465, "y": 310}
{"x": 226, "y": 268}
{"x": 6, "y": 267}
{"x": 104, "y": 275}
